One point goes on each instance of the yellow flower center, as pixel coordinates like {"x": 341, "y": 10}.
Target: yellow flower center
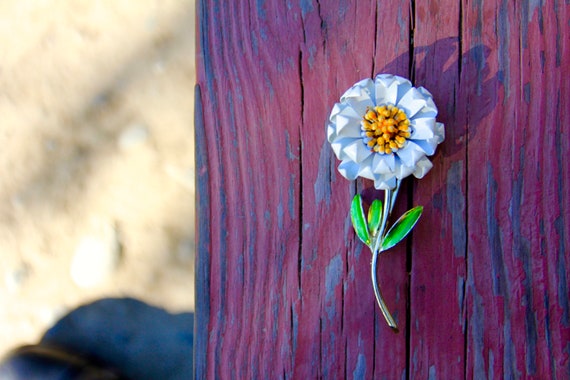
{"x": 386, "y": 128}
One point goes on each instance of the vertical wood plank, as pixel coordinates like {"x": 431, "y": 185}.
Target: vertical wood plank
{"x": 391, "y": 55}
{"x": 249, "y": 139}
{"x": 203, "y": 206}
{"x": 517, "y": 191}
{"x": 343, "y": 334}
{"x": 539, "y": 206}
{"x": 437, "y": 255}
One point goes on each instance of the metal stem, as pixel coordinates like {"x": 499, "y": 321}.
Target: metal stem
{"x": 389, "y": 200}
{"x": 379, "y": 299}
{"x": 395, "y": 194}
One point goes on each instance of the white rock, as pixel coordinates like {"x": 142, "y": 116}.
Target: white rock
{"x": 48, "y": 315}
{"x": 133, "y": 136}
{"x": 96, "y": 258}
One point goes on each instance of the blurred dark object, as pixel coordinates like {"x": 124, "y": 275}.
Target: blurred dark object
{"x": 51, "y": 363}
{"x": 124, "y": 338}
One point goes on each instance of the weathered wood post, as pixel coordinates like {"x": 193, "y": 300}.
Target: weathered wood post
{"x": 481, "y": 288}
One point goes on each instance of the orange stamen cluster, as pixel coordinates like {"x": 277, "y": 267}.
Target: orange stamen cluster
{"x": 386, "y": 128}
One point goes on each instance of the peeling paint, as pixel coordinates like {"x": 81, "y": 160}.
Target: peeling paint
{"x": 333, "y": 277}
{"x": 360, "y": 369}
{"x": 432, "y": 374}
{"x": 498, "y": 269}
{"x": 325, "y": 176}
{"x": 476, "y": 327}
{"x": 456, "y": 207}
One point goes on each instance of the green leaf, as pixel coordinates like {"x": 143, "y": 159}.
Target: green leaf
{"x": 402, "y": 227}
{"x": 358, "y": 221}
{"x": 375, "y": 216}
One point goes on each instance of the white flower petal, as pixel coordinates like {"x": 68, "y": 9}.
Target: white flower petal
{"x": 385, "y": 183}
{"x": 348, "y": 170}
{"x": 386, "y": 90}
{"x": 384, "y": 163}
{"x": 351, "y": 170}
{"x": 412, "y": 102}
{"x": 365, "y": 170}
{"x": 347, "y": 127}
{"x": 411, "y": 153}
{"x": 349, "y": 112}
{"x": 390, "y": 88}
{"x": 429, "y": 145}
{"x": 360, "y": 96}
{"x": 430, "y": 110}
{"x": 439, "y": 132}
{"x": 339, "y": 120}
{"x": 337, "y": 108}
{"x": 356, "y": 151}
{"x": 430, "y": 105}
{"x": 338, "y": 145}
{"x": 422, "y": 128}
{"x": 422, "y": 167}
{"x": 402, "y": 171}
{"x": 331, "y": 132}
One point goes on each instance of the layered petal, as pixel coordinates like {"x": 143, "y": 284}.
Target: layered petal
{"x": 362, "y": 121}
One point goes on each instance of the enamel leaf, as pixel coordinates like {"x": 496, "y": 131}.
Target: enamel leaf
{"x": 375, "y": 216}
{"x": 358, "y": 220}
{"x": 402, "y": 227}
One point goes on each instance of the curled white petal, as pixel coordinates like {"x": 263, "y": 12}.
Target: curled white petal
{"x": 349, "y": 169}
{"x": 391, "y": 88}
{"x": 360, "y": 96}
{"x": 365, "y": 169}
{"x": 356, "y": 151}
{"x": 345, "y": 126}
{"x": 384, "y": 164}
{"x": 385, "y": 183}
{"x": 429, "y": 144}
{"x": 412, "y": 102}
{"x": 411, "y": 153}
{"x": 422, "y": 167}
{"x": 349, "y": 142}
{"x": 430, "y": 109}
{"x": 423, "y": 128}
{"x": 404, "y": 171}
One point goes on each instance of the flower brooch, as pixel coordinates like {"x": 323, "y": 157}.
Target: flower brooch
{"x": 383, "y": 130}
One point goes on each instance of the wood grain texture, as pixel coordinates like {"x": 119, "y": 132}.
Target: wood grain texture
{"x": 481, "y": 288}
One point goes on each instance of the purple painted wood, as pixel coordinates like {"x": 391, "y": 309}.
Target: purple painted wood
{"x": 481, "y": 288}
{"x": 517, "y": 287}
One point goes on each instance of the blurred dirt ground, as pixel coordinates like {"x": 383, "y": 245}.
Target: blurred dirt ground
{"x": 96, "y": 157}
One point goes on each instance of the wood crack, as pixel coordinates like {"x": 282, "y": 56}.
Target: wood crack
{"x": 408, "y": 331}
{"x": 412, "y": 27}
{"x": 300, "y": 147}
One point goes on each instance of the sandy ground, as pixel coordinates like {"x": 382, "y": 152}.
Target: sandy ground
{"x": 96, "y": 157}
